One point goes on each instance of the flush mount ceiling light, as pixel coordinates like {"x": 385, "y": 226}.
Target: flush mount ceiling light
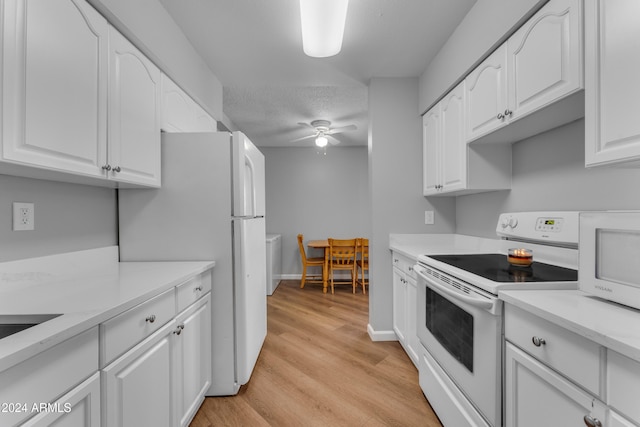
{"x": 322, "y": 26}
{"x": 322, "y": 141}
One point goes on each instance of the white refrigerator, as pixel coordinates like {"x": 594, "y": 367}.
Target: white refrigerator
{"x": 211, "y": 207}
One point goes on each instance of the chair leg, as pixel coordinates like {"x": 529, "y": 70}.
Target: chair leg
{"x": 353, "y": 278}
{"x": 304, "y": 275}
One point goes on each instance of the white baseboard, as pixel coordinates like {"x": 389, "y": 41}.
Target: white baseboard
{"x": 381, "y": 335}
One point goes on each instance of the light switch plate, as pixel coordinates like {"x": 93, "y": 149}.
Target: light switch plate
{"x": 23, "y": 216}
{"x": 429, "y": 217}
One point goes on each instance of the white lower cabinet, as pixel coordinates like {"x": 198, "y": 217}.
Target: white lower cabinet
{"x": 193, "y": 350}
{"x": 555, "y": 377}
{"x": 404, "y": 305}
{"x": 31, "y": 390}
{"x": 78, "y": 408}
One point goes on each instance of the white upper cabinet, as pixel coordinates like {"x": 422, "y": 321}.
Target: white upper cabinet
{"x": 180, "y": 113}
{"x": 134, "y": 115}
{"x": 54, "y": 85}
{"x": 453, "y": 167}
{"x": 79, "y": 102}
{"x": 537, "y": 70}
{"x": 612, "y": 92}
{"x": 545, "y": 57}
{"x": 486, "y": 88}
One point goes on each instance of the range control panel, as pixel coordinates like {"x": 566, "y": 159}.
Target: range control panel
{"x": 546, "y": 227}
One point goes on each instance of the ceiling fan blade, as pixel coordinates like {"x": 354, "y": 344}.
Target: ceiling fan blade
{"x": 342, "y": 129}
{"x": 333, "y": 140}
{"x": 303, "y": 138}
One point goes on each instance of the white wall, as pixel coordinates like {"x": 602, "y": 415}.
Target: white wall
{"x": 68, "y": 217}
{"x": 549, "y": 174}
{"x": 488, "y": 23}
{"x": 318, "y": 195}
{"x": 395, "y": 185}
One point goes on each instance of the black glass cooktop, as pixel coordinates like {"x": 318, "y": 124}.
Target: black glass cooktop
{"x": 495, "y": 267}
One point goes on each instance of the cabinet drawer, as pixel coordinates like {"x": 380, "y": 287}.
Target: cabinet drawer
{"x": 48, "y": 375}
{"x": 574, "y": 356}
{"x": 122, "y": 332}
{"x": 404, "y": 264}
{"x": 623, "y": 385}
{"x": 191, "y": 290}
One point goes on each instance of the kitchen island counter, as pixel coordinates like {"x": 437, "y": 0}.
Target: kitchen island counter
{"x": 86, "y": 288}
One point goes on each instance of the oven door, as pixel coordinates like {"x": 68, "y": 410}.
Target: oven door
{"x": 461, "y": 328}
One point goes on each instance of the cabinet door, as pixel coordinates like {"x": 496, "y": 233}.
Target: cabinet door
{"x": 178, "y": 110}
{"x": 411, "y": 310}
{"x": 54, "y": 83}
{"x": 78, "y": 408}
{"x": 486, "y": 95}
{"x": 612, "y": 92}
{"x": 204, "y": 122}
{"x": 536, "y": 395}
{"x": 134, "y": 114}
{"x": 193, "y": 361}
{"x": 138, "y": 385}
{"x": 453, "y": 142}
{"x": 545, "y": 57}
{"x": 399, "y": 305}
{"x": 430, "y": 151}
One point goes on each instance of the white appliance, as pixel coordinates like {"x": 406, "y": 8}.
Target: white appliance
{"x": 459, "y": 315}
{"x": 274, "y": 262}
{"x": 211, "y": 207}
{"x": 610, "y": 256}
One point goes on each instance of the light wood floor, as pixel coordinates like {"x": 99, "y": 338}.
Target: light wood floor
{"x": 318, "y": 367}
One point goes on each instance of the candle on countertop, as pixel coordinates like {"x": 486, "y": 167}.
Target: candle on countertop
{"x": 520, "y": 257}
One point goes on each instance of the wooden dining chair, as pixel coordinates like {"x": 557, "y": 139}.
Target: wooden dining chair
{"x": 362, "y": 263}
{"x": 309, "y": 262}
{"x": 342, "y": 256}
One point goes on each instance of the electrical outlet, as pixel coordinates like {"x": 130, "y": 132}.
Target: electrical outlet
{"x": 429, "y": 217}
{"x": 23, "y": 216}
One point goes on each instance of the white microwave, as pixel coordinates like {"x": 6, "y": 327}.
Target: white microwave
{"x": 609, "y": 258}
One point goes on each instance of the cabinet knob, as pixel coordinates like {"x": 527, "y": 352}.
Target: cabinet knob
{"x": 151, "y": 318}
{"x": 537, "y": 341}
{"x": 106, "y": 168}
{"x": 591, "y": 421}
{"x": 500, "y": 116}
{"x": 178, "y": 330}
{"x": 198, "y": 288}
{"x": 117, "y": 169}
{"x": 507, "y": 112}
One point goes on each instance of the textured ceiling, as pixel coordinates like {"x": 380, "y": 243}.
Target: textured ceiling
{"x": 254, "y": 47}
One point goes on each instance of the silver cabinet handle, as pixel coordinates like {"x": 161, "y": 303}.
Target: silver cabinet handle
{"x": 500, "y": 116}
{"x": 538, "y": 341}
{"x": 178, "y": 331}
{"x": 106, "y": 168}
{"x": 591, "y": 421}
{"x": 198, "y": 288}
{"x": 117, "y": 169}
{"x": 507, "y": 112}
{"x": 410, "y": 268}
{"x": 395, "y": 260}
{"x": 181, "y": 326}
{"x": 151, "y": 318}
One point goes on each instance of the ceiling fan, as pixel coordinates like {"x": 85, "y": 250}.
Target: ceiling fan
{"x": 323, "y": 132}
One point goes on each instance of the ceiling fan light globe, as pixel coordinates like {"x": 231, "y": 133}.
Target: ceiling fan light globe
{"x": 322, "y": 26}
{"x": 322, "y": 141}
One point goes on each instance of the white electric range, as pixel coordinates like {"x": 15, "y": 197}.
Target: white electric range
{"x": 459, "y": 315}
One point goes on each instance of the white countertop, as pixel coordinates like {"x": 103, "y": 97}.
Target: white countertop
{"x": 609, "y": 324}
{"x": 414, "y": 245}
{"x": 86, "y": 287}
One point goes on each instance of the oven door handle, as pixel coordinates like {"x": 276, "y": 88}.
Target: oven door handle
{"x": 479, "y": 301}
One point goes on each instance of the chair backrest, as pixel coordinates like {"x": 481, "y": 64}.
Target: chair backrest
{"x": 342, "y": 251}
{"x": 363, "y": 248}
{"x": 303, "y": 255}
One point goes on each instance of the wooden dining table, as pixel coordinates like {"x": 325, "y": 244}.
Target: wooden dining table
{"x": 324, "y": 245}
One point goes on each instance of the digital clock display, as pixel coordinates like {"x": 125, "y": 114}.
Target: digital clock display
{"x": 549, "y": 222}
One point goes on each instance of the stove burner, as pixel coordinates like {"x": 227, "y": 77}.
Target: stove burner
{"x": 495, "y": 267}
